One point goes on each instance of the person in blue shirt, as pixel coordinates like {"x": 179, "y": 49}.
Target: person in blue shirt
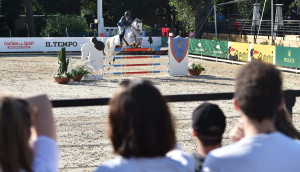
{"x": 220, "y": 17}
{"x": 124, "y": 22}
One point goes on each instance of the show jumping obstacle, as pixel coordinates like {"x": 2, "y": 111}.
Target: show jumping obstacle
{"x": 132, "y": 65}
{"x": 177, "y": 63}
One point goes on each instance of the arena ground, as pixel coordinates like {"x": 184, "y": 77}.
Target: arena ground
{"x": 81, "y": 131}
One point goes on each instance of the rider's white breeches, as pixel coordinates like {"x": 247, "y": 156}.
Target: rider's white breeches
{"x": 120, "y": 29}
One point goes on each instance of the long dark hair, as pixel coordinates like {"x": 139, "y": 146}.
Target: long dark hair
{"x": 15, "y": 124}
{"x": 284, "y": 124}
{"x": 140, "y": 121}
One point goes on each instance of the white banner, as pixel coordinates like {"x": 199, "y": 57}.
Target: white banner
{"x": 48, "y": 44}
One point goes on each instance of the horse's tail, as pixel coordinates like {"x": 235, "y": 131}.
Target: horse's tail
{"x": 107, "y": 46}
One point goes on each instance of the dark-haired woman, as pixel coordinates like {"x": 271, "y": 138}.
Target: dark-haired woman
{"x": 142, "y": 132}
{"x": 22, "y": 121}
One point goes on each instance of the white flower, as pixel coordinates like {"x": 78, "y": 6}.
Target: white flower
{"x": 191, "y": 66}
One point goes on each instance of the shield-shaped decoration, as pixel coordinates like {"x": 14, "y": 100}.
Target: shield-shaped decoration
{"x": 179, "y": 48}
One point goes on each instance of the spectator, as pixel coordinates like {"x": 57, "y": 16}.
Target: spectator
{"x": 208, "y": 123}
{"x": 293, "y": 14}
{"x": 237, "y": 26}
{"x": 142, "y": 132}
{"x": 258, "y": 97}
{"x": 220, "y": 17}
{"x": 16, "y": 118}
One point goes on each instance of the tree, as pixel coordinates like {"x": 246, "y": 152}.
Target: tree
{"x": 56, "y": 26}
{"x": 184, "y": 14}
{"x": 12, "y": 10}
{"x": 192, "y": 13}
{"x": 29, "y": 18}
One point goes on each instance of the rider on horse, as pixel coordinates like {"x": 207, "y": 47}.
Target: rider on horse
{"x": 124, "y": 22}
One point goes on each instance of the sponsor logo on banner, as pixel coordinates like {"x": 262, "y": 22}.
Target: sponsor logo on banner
{"x": 289, "y": 59}
{"x": 233, "y": 53}
{"x": 61, "y": 44}
{"x": 18, "y": 44}
{"x": 179, "y": 48}
{"x": 288, "y": 56}
{"x": 264, "y": 53}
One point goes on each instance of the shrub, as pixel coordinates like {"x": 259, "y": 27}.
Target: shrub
{"x": 264, "y": 43}
{"x": 80, "y": 70}
{"x": 194, "y": 66}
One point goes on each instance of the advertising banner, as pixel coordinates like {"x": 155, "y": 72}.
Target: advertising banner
{"x": 288, "y": 57}
{"x": 238, "y": 51}
{"x": 208, "y": 47}
{"x": 48, "y": 44}
{"x": 265, "y": 53}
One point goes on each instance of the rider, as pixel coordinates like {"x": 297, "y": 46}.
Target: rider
{"x": 124, "y": 22}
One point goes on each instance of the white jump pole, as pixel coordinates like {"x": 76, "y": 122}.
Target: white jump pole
{"x": 100, "y": 17}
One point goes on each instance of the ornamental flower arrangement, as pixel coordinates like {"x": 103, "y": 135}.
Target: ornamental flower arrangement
{"x": 195, "y": 69}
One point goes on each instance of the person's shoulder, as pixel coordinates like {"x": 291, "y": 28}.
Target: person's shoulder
{"x": 287, "y": 140}
{"x": 116, "y": 165}
{"x": 178, "y": 157}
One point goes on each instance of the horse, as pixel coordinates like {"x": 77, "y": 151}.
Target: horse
{"x": 130, "y": 36}
{"x": 92, "y": 52}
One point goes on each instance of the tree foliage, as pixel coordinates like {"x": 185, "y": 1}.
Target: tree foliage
{"x": 184, "y": 14}
{"x": 56, "y": 26}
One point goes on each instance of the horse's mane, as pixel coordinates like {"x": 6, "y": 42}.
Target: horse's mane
{"x": 99, "y": 45}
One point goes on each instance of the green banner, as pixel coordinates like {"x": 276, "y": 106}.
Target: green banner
{"x": 208, "y": 47}
{"x": 288, "y": 57}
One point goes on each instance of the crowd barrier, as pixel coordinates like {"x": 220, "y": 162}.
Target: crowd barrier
{"x": 289, "y": 95}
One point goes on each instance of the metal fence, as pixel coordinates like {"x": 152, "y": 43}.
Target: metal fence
{"x": 290, "y": 27}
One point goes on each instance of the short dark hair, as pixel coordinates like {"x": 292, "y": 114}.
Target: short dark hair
{"x": 209, "y": 140}
{"x": 259, "y": 90}
{"x": 140, "y": 121}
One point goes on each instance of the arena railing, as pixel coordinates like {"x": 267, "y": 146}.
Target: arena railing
{"x": 289, "y": 95}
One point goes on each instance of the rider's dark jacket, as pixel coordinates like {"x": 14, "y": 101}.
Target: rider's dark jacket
{"x": 123, "y": 22}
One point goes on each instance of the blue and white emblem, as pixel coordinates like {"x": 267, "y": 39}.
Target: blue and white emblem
{"x": 179, "y": 48}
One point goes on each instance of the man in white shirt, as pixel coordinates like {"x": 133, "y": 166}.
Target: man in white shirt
{"x": 258, "y": 97}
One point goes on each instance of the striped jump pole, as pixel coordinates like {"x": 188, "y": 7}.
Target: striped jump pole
{"x": 130, "y": 65}
{"x": 139, "y": 49}
{"x": 130, "y": 73}
{"x": 135, "y": 57}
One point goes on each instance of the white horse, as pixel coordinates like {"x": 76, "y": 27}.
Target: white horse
{"x": 131, "y": 36}
{"x": 94, "y": 56}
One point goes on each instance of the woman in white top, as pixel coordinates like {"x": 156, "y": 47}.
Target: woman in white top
{"x": 22, "y": 121}
{"x": 142, "y": 132}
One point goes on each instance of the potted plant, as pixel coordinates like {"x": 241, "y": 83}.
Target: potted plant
{"x": 195, "y": 69}
{"x": 79, "y": 72}
{"x": 62, "y": 77}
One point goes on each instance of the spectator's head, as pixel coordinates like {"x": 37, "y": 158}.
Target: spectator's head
{"x": 15, "y": 124}
{"x": 208, "y": 123}
{"x": 258, "y": 91}
{"x": 140, "y": 121}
